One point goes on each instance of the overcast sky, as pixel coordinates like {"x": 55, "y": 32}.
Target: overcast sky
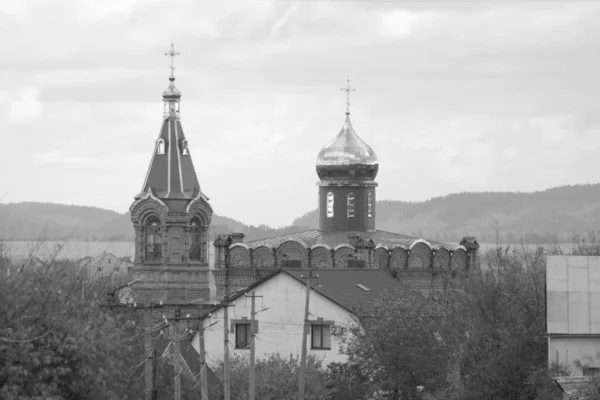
{"x": 452, "y": 97}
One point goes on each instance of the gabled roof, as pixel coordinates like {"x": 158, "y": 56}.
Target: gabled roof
{"x": 191, "y": 359}
{"x": 101, "y": 256}
{"x": 572, "y": 386}
{"x": 352, "y": 288}
{"x": 345, "y": 287}
{"x": 171, "y": 175}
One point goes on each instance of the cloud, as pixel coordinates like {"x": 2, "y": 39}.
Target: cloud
{"x": 54, "y": 157}
{"x": 401, "y": 23}
{"x": 27, "y": 105}
{"x": 452, "y": 97}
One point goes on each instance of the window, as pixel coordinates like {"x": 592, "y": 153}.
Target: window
{"x": 329, "y": 205}
{"x": 195, "y": 239}
{"x": 184, "y": 147}
{"x": 153, "y": 239}
{"x": 109, "y": 260}
{"x": 160, "y": 146}
{"x": 321, "y": 337}
{"x": 370, "y": 205}
{"x": 116, "y": 269}
{"x": 242, "y": 336}
{"x": 350, "y": 205}
{"x": 100, "y": 269}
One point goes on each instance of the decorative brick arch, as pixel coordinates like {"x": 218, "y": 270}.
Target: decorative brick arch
{"x": 239, "y": 256}
{"x": 381, "y": 258}
{"x": 420, "y": 256}
{"x": 199, "y": 207}
{"x": 294, "y": 250}
{"x": 341, "y": 256}
{"x": 459, "y": 260}
{"x": 441, "y": 260}
{"x": 263, "y": 257}
{"x": 143, "y": 208}
{"x": 399, "y": 258}
{"x": 320, "y": 257}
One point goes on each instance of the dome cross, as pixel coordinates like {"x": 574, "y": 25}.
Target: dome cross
{"x": 172, "y": 53}
{"x": 348, "y": 89}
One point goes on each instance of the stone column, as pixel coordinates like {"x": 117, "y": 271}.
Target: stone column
{"x": 139, "y": 245}
{"x": 472, "y": 247}
{"x": 164, "y": 247}
{"x": 204, "y": 244}
{"x": 186, "y": 244}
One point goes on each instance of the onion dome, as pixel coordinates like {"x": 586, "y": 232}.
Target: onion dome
{"x": 347, "y": 158}
{"x": 171, "y": 93}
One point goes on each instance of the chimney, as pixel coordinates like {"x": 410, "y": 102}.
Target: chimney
{"x": 237, "y": 237}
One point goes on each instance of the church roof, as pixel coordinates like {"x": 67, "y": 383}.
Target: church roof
{"x": 355, "y": 288}
{"x": 347, "y": 158}
{"x": 171, "y": 175}
{"x": 333, "y": 239}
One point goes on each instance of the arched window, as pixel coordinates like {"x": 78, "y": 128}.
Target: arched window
{"x": 329, "y": 205}
{"x": 153, "y": 239}
{"x": 350, "y": 205}
{"x": 370, "y": 205}
{"x": 160, "y": 146}
{"x": 184, "y": 147}
{"x": 195, "y": 239}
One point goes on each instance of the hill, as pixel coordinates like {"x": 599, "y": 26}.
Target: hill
{"x": 547, "y": 216}
{"x": 539, "y": 217}
{"x": 50, "y": 221}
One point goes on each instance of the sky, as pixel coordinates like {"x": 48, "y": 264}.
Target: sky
{"x": 452, "y": 97}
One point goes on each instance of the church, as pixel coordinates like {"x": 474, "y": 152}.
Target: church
{"x": 347, "y": 236}
{"x": 171, "y": 217}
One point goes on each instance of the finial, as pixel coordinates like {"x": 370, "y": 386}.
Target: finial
{"x": 348, "y": 89}
{"x": 172, "y": 54}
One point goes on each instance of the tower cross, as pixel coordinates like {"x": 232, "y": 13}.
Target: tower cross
{"x": 348, "y": 89}
{"x": 172, "y": 53}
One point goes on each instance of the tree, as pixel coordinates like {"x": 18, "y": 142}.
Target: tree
{"x": 346, "y": 382}
{"x": 402, "y": 344}
{"x": 276, "y": 378}
{"x": 504, "y": 308}
{"x": 59, "y": 340}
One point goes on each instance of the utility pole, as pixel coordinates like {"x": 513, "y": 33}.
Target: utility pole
{"x": 302, "y": 378}
{"x": 176, "y": 359}
{"x": 149, "y": 355}
{"x": 253, "y": 326}
{"x": 203, "y": 379}
{"x": 226, "y": 383}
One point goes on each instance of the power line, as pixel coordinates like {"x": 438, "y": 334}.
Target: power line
{"x": 430, "y": 1}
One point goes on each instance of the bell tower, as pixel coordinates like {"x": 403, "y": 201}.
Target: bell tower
{"x": 347, "y": 168}
{"x": 171, "y": 216}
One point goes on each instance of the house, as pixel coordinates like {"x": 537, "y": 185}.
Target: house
{"x": 107, "y": 264}
{"x": 573, "y": 314}
{"x": 335, "y": 298}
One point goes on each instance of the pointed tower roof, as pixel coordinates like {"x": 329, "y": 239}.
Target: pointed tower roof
{"x": 347, "y": 157}
{"x": 171, "y": 174}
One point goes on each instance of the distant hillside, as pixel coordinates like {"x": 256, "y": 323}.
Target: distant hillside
{"x": 49, "y": 221}
{"x": 540, "y": 217}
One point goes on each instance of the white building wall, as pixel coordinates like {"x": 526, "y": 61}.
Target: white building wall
{"x": 573, "y": 310}
{"x": 569, "y": 349}
{"x": 280, "y": 325}
{"x": 573, "y": 294}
